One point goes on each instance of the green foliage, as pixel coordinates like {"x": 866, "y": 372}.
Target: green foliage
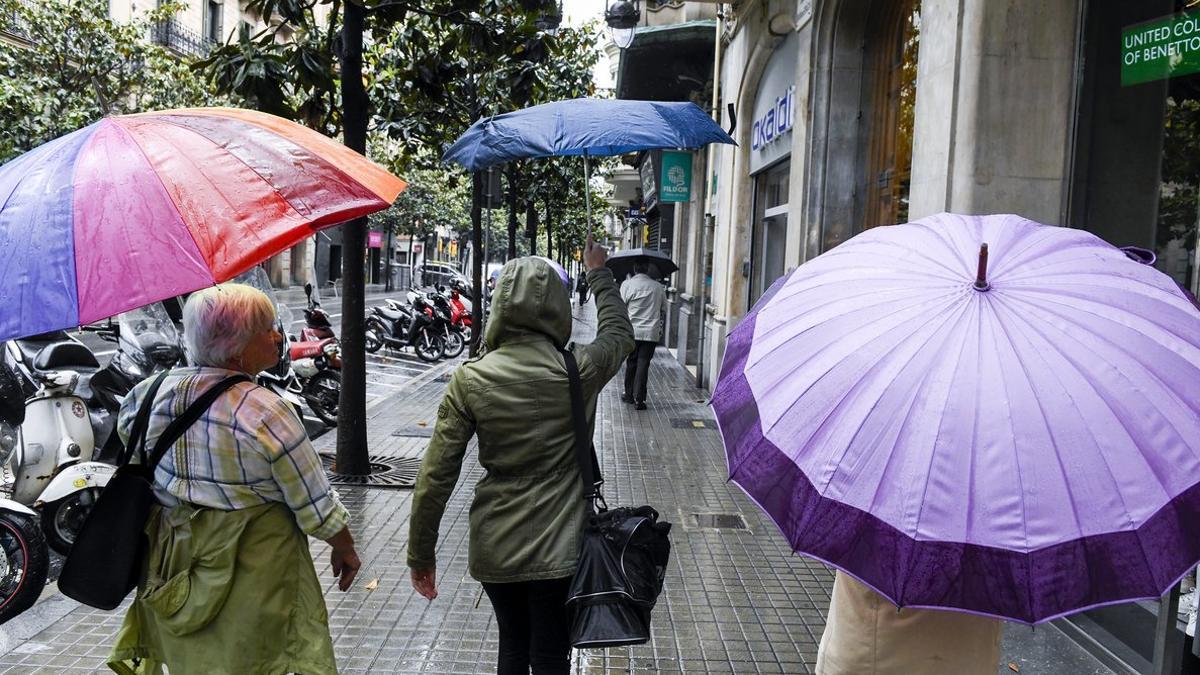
{"x": 75, "y": 65}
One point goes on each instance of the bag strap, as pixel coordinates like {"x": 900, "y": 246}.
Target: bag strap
{"x": 137, "y": 435}
{"x": 180, "y": 424}
{"x": 585, "y": 452}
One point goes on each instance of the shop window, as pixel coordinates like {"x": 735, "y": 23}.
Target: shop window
{"x": 213, "y": 21}
{"x": 1136, "y": 169}
{"x": 889, "y": 170}
{"x": 769, "y": 234}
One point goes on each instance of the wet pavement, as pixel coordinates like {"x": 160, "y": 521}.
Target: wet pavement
{"x": 736, "y": 599}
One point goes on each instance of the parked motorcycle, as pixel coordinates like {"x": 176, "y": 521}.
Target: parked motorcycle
{"x": 444, "y": 324}
{"x": 317, "y": 325}
{"x": 53, "y": 452}
{"x": 460, "y": 315}
{"x": 24, "y": 558}
{"x": 318, "y": 364}
{"x": 398, "y": 326}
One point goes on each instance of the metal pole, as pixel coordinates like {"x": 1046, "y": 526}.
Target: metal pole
{"x": 1168, "y": 639}
{"x": 709, "y": 218}
{"x": 587, "y": 192}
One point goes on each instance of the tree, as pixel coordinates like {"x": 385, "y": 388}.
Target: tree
{"x": 332, "y": 95}
{"x": 76, "y": 65}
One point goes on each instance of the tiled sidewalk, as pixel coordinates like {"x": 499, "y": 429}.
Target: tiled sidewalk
{"x": 736, "y": 600}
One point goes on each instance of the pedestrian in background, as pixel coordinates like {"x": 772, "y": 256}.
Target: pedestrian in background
{"x": 229, "y": 585}
{"x": 866, "y": 633}
{"x": 645, "y": 299}
{"x": 581, "y": 287}
{"x": 527, "y": 512}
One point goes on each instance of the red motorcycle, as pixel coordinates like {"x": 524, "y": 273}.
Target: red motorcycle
{"x": 318, "y": 365}
{"x": 316, "y": 322}
{"x": 460, "y": 316}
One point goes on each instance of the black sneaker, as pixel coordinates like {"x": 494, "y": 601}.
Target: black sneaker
{"x": 626, "y": 398}
{"x": 640, "y": 406}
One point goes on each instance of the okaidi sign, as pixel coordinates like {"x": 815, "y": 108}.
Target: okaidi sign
{"x": 775, "y": 122}
{"x": 374, "y": 239}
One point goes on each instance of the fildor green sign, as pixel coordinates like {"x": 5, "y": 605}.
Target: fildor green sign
{"x": 1167, "y": 47}
{"x": 676, "y": 180}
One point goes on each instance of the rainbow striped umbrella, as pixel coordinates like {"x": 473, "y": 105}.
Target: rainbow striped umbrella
{"x": 138, "y": 208}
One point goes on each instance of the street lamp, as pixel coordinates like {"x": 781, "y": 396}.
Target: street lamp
{"x": 622, "y": 18}
{"x": 551, "y": 17}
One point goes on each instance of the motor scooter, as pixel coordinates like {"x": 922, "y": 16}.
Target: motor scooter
{"x": 398, "y": 326}
{"x": 318, "y": 364}
{"x": 24, "y": 558}
{"x": 52, "y": 458}
{"x": 317, "y": 325}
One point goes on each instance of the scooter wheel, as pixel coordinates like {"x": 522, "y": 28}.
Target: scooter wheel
{"x": 430, "y": 348}
{"x": 373, "y": 338}
{"x": 323, "y": 391}
{"x": 26, "y": 564}
{"x": 454, "y": 344}
{"x": 63, "y": 518}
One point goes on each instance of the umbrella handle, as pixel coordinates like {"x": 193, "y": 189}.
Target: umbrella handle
{"x": 981, "y": 282}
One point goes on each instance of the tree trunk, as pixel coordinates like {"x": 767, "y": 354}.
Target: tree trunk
{"x": 512, "y": 214}
{"x": 352, "y": 451}
{"x": 476, "y": 262}
{"x": 531, "y": 225}
{"x": 549, "y": 232}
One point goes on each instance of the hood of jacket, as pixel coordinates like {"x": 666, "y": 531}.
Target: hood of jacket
{"x": 529, "y": 298}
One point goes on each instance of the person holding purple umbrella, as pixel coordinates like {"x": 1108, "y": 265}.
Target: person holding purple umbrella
{"x": 866, "y": 633}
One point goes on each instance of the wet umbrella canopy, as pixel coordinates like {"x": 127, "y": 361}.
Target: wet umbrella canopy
{"x": 138, "y": 208}
{"x": 622, "y": 263}
{"x": 1015, "y": 436}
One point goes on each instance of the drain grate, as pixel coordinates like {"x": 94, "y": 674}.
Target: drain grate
{"x": 386, "y": 472}
{"x": 719, "y": 521}
{"x": 414, "y": 432}
{"x": 692, "y": 423}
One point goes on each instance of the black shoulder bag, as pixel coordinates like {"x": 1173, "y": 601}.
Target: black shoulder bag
{"x": 622, "y": 556}
{"x": 106, "y": 559}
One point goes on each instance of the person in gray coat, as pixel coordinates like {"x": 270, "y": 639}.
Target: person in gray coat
{"x": 645, "y": 298}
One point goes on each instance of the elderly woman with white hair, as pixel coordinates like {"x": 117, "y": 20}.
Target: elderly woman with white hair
{"x": 229, "y": 585}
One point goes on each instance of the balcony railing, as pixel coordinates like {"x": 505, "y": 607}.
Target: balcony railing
{"x": 174, "y": 36}
{"x": 14, "y": 24}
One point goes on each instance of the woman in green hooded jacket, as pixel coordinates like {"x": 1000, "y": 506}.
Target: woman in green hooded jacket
{"x": 528, "y": 510}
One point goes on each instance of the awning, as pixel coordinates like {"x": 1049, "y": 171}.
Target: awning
{"x": 668, "y": 63}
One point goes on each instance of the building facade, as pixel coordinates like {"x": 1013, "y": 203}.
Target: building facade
{"x": 852, "y": 114}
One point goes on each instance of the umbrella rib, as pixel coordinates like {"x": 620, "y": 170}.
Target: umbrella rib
{"x": 1118, "y": 348}
{"x": 1055, "y": 295}
{"x": 819, "y": 377}
{"x": 1019, "y": 320}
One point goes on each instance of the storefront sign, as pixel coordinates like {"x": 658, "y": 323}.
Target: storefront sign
{"x": 649, "y": 182}
{"x": 634, "y": 212}
{"x": 776, "y": 122}
{"x": 676, "y": 181}
{"x": 775, "y": 107}
{"x": 374, "y": 239}
{"x": 1156, "y": 50}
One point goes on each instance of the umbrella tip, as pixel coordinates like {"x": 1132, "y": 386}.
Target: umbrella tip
{"x": 981, "y": 282}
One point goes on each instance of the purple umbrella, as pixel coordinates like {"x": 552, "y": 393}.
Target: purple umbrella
{"x": 1024, "y": 446}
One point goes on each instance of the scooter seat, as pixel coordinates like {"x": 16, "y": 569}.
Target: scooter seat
{"x": 30, "y": 346}
{"x": 65, "y": 356}
{"x": 392, "y": 314}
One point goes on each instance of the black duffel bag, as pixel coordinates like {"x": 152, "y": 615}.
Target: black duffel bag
{"x": 622, "y": 557}
{"x": 106, "y": 559}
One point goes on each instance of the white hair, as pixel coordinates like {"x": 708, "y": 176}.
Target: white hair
{"x": 219, "y": 322}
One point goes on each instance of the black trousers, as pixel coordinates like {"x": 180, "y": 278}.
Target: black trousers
{"x": 532, "y": 617}
{"x": 637, "y": 369}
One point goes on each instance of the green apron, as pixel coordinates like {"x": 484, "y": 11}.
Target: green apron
{"x": 226, "y": 592}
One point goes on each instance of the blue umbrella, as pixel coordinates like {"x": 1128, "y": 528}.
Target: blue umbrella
{"x": 584, "y": 126}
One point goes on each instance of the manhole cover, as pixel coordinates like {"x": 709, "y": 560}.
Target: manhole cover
{"x": 719, "y": 521}
{"x": 386, "y": 472}
{"x": 692, "y": 423}
{"x": 415, "y": 432}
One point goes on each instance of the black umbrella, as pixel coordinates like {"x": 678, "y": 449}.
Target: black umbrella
{"x": 622, "y": 262}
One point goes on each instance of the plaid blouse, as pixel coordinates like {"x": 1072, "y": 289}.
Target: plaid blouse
{"x": 249, "y": 448}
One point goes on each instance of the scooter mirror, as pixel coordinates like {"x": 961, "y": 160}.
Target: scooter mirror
{"x": 12, "y": 397}
{"x": 308, "y": 290}
{"x": 293, "y": 338}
